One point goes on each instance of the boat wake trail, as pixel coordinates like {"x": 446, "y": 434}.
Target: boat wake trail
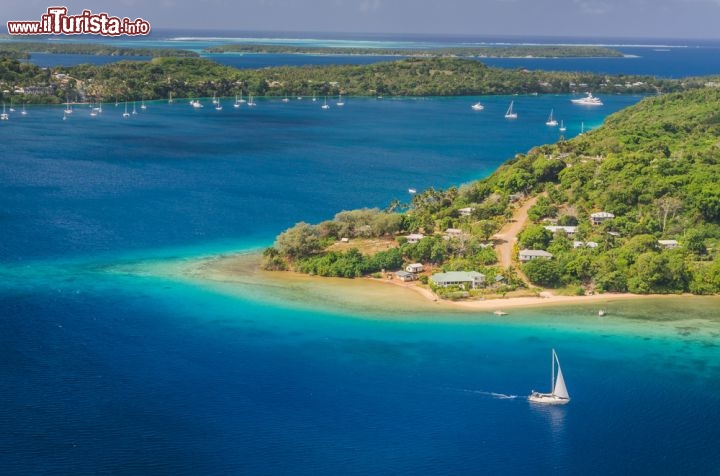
{"x": 499, "y": 396}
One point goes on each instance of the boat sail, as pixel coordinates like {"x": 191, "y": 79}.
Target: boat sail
{"x": 509, "y": 114}
{"x": 559, "y": 393}
{"x": 551, "y": 120}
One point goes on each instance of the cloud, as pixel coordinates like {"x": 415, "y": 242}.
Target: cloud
{"x": 594, "y": 7}
{"x": 370, "y": 5}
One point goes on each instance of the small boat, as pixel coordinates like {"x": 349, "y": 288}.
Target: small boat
{"x": 562, "y": 127}
{"x": 588, "y": 100}
{"x": 237, "y": 101}
{"x": 251, "y": 102}
{"x": 412, "y": 191}
{"x": 286, "y": 99}
{"x": 500, "y": 313}
{"x": 12, "y": 109}
{"x": 196, "y": 104}
{"x": 601, "y": 313}
{"x": 325, "y": 105}
{"x": 126, "y": 113}
{"x": 68, "y": 107}
{"x": 170, "y": 98}
{"x": 340, "y": 101}
{"x": 559, "y": 394}
{"x": 509, "y": 114}
{"x": 314, "y": 98}
{"x": 142, "y": 105}
{"x": 241, "y": 100}
{"x": 477, "y": 106}
{"x": 551, "y": 120}
{"x": 134, "y": 111}
{"x": 218, "y": 106}
{"x": 4, "y": 116}
{"x": 214, "y": 99}
{"x": 23, "y": 112}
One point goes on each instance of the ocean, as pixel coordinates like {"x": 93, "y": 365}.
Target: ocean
{"x": 110, "y": 367}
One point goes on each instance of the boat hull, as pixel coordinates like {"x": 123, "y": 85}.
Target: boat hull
{"x": 547, "y": 399}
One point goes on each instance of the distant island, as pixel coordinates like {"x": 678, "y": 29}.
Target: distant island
{"x": 631, "y": 207}
{"x": 24, "y": 49}
{"x": 199, "y": 77}
{"x": 506, "y": 51}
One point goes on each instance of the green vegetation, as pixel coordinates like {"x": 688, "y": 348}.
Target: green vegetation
{"x": 24, "y": 49}
{"x": 655, "y": 166}
{"x": 197, "y": 77}
{"x": 534, "y": 51}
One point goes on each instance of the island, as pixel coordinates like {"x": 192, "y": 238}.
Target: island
{"x": 631, "y": 207}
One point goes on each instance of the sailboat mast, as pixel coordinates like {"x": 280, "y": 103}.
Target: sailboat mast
{"x": 552, "y": 372}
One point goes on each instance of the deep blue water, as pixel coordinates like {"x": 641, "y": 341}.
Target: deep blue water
{"x": 135, "y": 373}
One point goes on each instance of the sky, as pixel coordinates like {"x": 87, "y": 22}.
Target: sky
{"x": 553, "y": 18}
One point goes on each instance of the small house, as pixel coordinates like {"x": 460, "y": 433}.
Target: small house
{"x": 669, "y": 244}
{"x": 529, "y": 255}
{"x": 466, "y": 212}
{"x": 414, "y": 238}
{"x": 599, "y": 217}
{"x": 471, "y": 279}
{"x": 414, "y": 268}
{"x": 591, "y": 244}
{"x": 453, "y": 233}
{"x": 405, "y": 276}
{"x": 570, "y": 230}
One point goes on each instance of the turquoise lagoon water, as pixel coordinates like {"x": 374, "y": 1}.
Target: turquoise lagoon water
{"x": 142, "y": 373}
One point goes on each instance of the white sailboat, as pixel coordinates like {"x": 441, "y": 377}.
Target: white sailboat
{"x": 559, "y": 394}
{"x": 134, "y": 111}
{"x": 218, "y": 106}
{"x": 552, "y": 122}
{"x": 286, "y": 98}
{"x": 126, "y": 113}
{"x": 23, "y": 112}
{"x": 142, "y": 104}
{"x": 170, "y": 98}
{"x": 340, "y": 102}
{"x": 251, "y": 102}
{"x": 325, "y": 105}
{"x": 12, "y": 109}
{"x": 241, "y": 100}
{"x": 4, "y": 116}
{"x": 68, "y": 107}
{"x": 509, "y": 114}
{"x": 562, "y": 127}
{"x": 237, "y": 101}
{"x": 477, "y": 106}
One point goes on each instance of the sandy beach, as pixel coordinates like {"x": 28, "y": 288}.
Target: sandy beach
{"x": 225, "y": 272}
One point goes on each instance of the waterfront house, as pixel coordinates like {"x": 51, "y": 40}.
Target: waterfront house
{"x": 405, "y": 276}
{"x": 414, "y": 268}
{"x": 599, "y": 217}
{"x": 471, "y": 279}
{"x": 529, "y": 255}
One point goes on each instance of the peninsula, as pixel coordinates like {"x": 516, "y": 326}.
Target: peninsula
{"x": 631, "y": 207}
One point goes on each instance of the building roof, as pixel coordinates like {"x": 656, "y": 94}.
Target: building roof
{"x": 566, "y": 228}
{"x": 404, "y": 274}
{"x": 538, "y": 253}
{"x": 602, "y": 215}
{"x": 416, "y": 236}
{"x": 456, "y": 276}
{"x": 668, "y": 242}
